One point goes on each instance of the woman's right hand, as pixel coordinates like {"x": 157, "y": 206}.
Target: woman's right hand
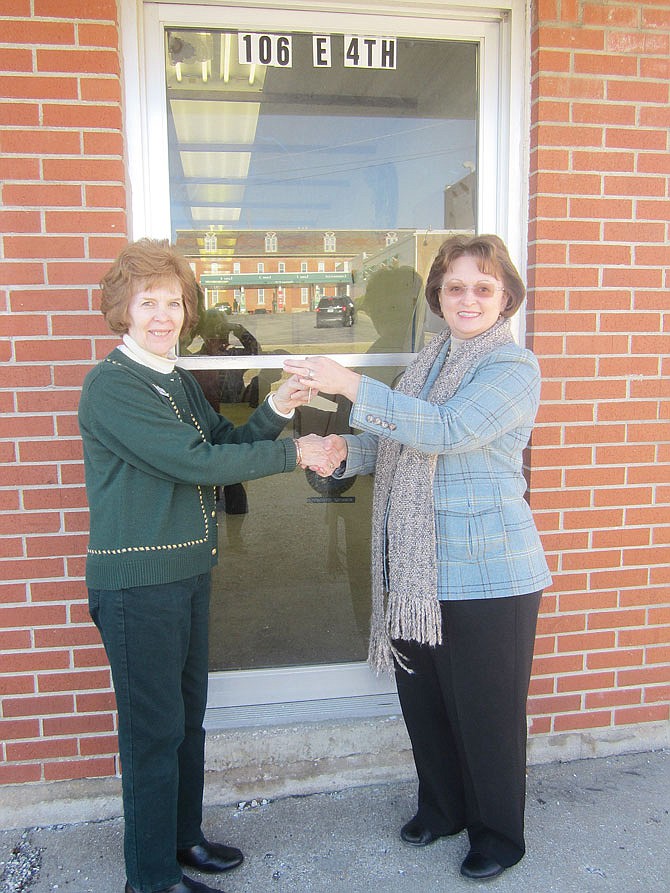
{"x": 336, "y": 452}
{"x": 322, "y": 454}
{"x": 326, "y": 375}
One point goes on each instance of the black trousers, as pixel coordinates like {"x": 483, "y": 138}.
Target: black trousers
{"x": 156, "y": 642}
{"x": 464, "y": 705}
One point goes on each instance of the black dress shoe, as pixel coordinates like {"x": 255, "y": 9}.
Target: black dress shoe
{"x": 416, "y": 834}
{"x": 213, "y": 857}
{"x": 480, "y": 867}
{"x": 185, "y": 885}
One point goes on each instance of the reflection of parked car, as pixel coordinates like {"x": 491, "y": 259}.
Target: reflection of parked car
{"x": 337, "y": 310}
{"x": 223, "y": 307}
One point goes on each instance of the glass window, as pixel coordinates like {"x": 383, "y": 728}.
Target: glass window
{"x": 388, "y": 157}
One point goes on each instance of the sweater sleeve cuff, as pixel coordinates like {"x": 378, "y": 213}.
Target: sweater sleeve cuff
{"x": 273, "y": 407}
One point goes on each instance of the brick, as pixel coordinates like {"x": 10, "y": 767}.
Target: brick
{"x": 555, "y": 665}
{"x": 19, "y": 114}
{"x": 554, "y": 704}
{"x": 77, "y": 9}
{"x": 78, "y": 169}
{"x": 77, "y": 725}
{"x": 649, "y": 713}
{"x": 611, "y": 16}
{"x": 623, "y": 538}
{"x": 83, "y": 220}
{"x": 576, "y": 39}
{"x": 633, "y": 185}
{"x": 88, "y": 61}
{"x": 43, "y": 246}
{"x": 657, "y": 693}
{"x": 569, "y": 135}
{"x": 77, "y": 273}
{"x": 587, "y": 601}
{"x": 90, "y": 657}
{"x": 33, "y": 87}
{"x": 633, "y": 232}
{"x": 15, "y": 59}
{"x": 98, "y": 744}
{"x": 655, "y": 116}
{"x": 38, "y": 706}
{"x": 19, "y": 221}
{"x": 12, "y": 169}
{"x": 62, "y": 114}
{"x": 101, "y": 196}
{"x": 601, "y": 208}
{"x": 50, "y": 451}
{"x": 40, "y": 750}
{"x": 26, "y": 30}
{"x": 56, "y": 350}
{"x": 21, "y": 773}
{"x": 70, "y": 769}
{"x": 96, "y": 702}
{"x": 16, "y": 684}
{"x": 553, "y": 182}
{"x": 591, "y": 720}
{"x": 72, "y": 681}
{"x": 606, "y": 160}
{"x": 49, "y": 299}
{"x": 584, "y": 682}
{"x": 42, "y": 195}
{"x": 635, "y": 138}
{"x": 567, "y": 87}
{"x": 605, "y": 64}
{"x": 621, "y": 697}
{"x": 70, "y": 636}
{"x": 41, "y": 142}
{"x": 101, "y": 89}
{"x": 29, "y": 523}
{"x": 17, "y": 729}
{"x": 588, "y": 641}
{"x": 644, "y": 675}
{"x": 540, "y": 725}
{"x": 657, "y": 68}
{"x": 14, "y": 639}
{"x": 633, "y": 42}
{"x": 102, "y": 143}
{"x": 653, "y": 209}
{"x": 94, "y": 35}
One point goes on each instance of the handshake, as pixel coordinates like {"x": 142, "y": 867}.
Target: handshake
{"x": 323, "y": 455}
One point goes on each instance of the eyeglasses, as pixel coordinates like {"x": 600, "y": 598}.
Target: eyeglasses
{"x": 479, "y": 289}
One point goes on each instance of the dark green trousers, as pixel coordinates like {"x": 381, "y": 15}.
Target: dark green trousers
{"x": 156, "y": 643}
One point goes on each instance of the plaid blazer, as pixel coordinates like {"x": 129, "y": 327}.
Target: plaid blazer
{"x": 487, "y": 542}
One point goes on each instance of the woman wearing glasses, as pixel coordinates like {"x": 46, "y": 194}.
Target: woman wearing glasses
{"x": 458, "y": 567}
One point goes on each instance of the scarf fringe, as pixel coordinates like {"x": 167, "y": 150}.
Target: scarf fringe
{"x": 419, "y": 620}
{"x": 406, "y": 619}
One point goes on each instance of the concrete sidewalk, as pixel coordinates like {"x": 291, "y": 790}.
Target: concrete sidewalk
{"x": 600, "y": 824}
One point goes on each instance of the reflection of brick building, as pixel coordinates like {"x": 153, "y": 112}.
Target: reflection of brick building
{"x": 286, "y": 271}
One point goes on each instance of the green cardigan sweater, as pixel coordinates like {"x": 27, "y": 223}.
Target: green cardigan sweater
{"x": 154, "y": 449}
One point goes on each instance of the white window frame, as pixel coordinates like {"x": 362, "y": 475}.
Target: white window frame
{"x": 501, "y": 27}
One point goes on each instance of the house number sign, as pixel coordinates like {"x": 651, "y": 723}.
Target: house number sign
{"x": 277, "y": 50}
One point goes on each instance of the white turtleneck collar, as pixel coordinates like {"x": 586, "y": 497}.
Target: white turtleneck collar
{"x": 132, "y": 349}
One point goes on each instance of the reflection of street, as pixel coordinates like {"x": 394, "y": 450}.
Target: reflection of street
{"x": 297, "y": 333}
{"x": 297, "y": 589}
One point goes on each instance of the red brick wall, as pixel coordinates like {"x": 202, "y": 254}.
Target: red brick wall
{"x": 600, "y": 463}
{"x": 63, "y": 218}
{"x": 599, "y": 279}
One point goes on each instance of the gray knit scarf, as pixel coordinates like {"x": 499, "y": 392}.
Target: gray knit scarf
{"x": 403, "y": 515}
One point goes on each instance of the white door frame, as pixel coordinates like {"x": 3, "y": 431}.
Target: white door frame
{"x": 502, "y": 31}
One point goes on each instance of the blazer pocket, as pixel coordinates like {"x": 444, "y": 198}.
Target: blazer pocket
{"x": 474, "y": 536}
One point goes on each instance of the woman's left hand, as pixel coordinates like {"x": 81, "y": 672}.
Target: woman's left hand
{"x": 290, "y": 394}
{"x": 324, "y": 374}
